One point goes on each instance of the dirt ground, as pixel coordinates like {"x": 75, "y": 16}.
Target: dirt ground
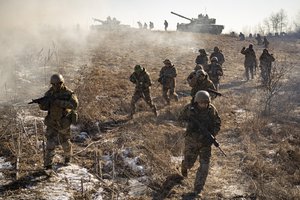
{"x": 262, "y": 151}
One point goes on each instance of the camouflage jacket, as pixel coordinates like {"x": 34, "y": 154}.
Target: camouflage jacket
{"x": 202, "y": 60}
{"x": 198, "y": 84}
{"x": 220, "y": 57}
{"x": 167, "y": 75}
{"x": 214, "y": 71}
{"x": 63, "y": 103}
{"x": 250, "y": 57}
{"x": 208, "y": 118}
{"x": 266, "y": 59}
{"x": 141, "y": 80}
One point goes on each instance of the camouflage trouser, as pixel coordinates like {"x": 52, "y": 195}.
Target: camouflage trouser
{"x": 54, "y": 138}
{"x": 172, "y": 94}
{"x": 265, "y": 74}
{"x": 249, "y": 69}
{"x": 145, "y": 94}
{"x": 193, "y": 149}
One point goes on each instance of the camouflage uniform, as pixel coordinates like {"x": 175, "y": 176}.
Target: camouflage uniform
{"x": 167, "y": 77}
{"x": 202, "y": 59}
{"x": 197, "y": 84}
{"x": 217, "y": 53}
{"x": 250, "y": 61}
{"x": 142, "y": 89}
{"x": 196, "y": 143}
{"x": 215, "y": 71}
{"x": 61, "y": 113}
{"x": 266, "y": 42}
{"x": 265, "y": 64}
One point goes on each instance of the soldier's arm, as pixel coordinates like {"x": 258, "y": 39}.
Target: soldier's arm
{"x": 132, "y": 78}
{"x": 45, "y": 105}
{"x": 71, "y": 103}
{"x": 216, "y": 121}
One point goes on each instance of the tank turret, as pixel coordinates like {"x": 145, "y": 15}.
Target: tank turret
{"x": 202, "y": 24}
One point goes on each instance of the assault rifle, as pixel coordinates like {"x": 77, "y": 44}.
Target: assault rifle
{"x": 215, "y": 92}
{"x": 49, "y": 99}
{"x": 42, "y": 100}
{"x": 207, "y": 134}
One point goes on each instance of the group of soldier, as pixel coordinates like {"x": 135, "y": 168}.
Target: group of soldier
{"x": 251, "y": 64}
{"x": 200, "y": 114}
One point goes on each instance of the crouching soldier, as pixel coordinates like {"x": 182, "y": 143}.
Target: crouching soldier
{"x": 61, "y": 104}
{"x": 202, "y": 119}
{"x": 141, "y": 79}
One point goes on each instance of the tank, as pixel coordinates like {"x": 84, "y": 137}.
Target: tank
{"x": 202, "y": 24}
{"x": 108, "y": 24}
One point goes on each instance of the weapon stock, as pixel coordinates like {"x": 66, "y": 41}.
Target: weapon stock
{"x": 215, "y": 92}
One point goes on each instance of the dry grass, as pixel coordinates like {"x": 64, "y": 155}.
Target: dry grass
{"x": 262, "y": 162}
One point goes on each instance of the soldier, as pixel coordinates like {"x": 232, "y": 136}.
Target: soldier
{"x": 265, "y": 65}
{"x": 141, "y": 79}
{"x": 215, "y": 71}
{"x": 241, "y": 36}
{"x": 258, "y": 39}
{"x": 202, "y": 58}
{"x": 202, "y": 118}
{"x": 166, "y": 25}
{"x": 61, "y": 106}
{"x": 199, "y": 80}
{"x": 266, "y": 42}
{"x": 218, "y": 53}
{"x": 151, "y": 25}
{"x": 167, "y": 77}
{"x": 250, "y": 61}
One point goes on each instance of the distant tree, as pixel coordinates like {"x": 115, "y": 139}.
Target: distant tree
{"x": 279, "y": 21}
{"x": 267, "y": 25}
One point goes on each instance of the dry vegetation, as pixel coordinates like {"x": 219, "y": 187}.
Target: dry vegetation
{"x": 263, "y": 150}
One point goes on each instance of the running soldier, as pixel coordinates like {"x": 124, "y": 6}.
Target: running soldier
{"x": 167, "y": 77}
{"x": 141, "y": 79}
{"x": 265, "y": 65}
{"x": 202, "y": 118}
{"x": 61, "y": 104}
{"x": 215, "y": 72}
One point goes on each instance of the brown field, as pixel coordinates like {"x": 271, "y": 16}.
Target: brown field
{"x": 263, "y": 156}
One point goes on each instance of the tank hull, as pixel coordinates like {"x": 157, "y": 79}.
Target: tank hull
{"x": 201, "y": 28}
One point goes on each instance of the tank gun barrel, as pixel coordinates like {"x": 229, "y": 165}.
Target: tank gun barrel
{"x": 98, "y": 20}
{"x": 181, "y": 16}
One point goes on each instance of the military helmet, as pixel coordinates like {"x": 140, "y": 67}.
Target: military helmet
{"x": 214, "y": 59}
{"x": 250, "y": 46}
{"x": 200, "y": 72}
{"x": 202, "y": 51}
{"x": 202, "y": 96}
{"x": 167, "y": 61}
{"x": 138, "y": 68}
{"x": 56, "y": 78}
{"x": 216, "y": 49}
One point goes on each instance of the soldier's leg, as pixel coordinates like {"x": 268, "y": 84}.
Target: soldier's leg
{"x": 136, "y": 96}
{"x": 202, "y": 172}
{"x": 51, "y": 142}
{"x": 190, "y": 155}
{"x": 173, "y": 94}
{"x": 148, "y": 100}
{"x": 165, "y": 94}
{"x": 252, "y": 71}
{"x": 247, "y": 72}
{"x": 65, "y": 141}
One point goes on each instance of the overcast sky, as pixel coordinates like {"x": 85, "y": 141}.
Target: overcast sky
{"x": 236, "y": 15}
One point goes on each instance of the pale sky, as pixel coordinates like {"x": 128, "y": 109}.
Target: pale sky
{"x": 235, "y": 15}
